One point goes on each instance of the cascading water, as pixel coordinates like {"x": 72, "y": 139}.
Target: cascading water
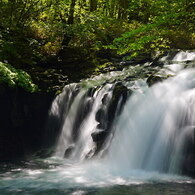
{"x": 84, "y": 119}
{"x": 154, "y": 126}
{"x": 80, "y": 123}
{"x": 118, "y": 132}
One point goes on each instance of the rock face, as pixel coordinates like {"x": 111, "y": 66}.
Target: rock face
{"x": 189, "y": 165}
{"x": 189, "y": 156}
{"x": 153, "y": 79}
{"x": 106, "y": 115}
{"x": 22, "y": 121}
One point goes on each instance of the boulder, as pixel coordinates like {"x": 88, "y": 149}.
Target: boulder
{"x": 153, "y": 79}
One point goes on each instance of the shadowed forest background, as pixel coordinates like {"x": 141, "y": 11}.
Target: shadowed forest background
{"x": 47, "y": 43}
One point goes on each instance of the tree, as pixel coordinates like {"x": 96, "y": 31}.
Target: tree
{"x": 122, "y": 11}
{"x": 71, "y": 12}
{"x": 93, "y": 5}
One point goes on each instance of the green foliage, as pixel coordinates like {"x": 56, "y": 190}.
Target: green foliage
{"x": 96, "y": 31}
{"x": 20, "y": 13}
{"x": 144, "y": 39}
{"x": 18, "y": 49}
{"x": 145, "y": 25}
{"x": 14, "y": 77}
{"x": 34, "y": 31}
{"x": 18, "y": 44}
{"x": 156, "y": 35}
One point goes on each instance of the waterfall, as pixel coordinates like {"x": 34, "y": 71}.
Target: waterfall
{"x": 182, "y": 56}
{"x": 126, "y": 124}
{"x": 113, "y": 134}
{"x": 154, "y": 126}
{"x": 85, "y": 115}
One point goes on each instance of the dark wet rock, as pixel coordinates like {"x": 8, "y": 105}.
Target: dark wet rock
{"x": 130, "y": 78}
{"x": 101, "y": 114}
{"x": 171, "y": 54}
{"x": 189, "y": 155}
{"x": 189, "y": 164}
{"x": 106, "y": 115}
{"x": 98, "y": 138}
{"x": 119, "y": 92}
{"x": 142, "y": 58}
{"x": 101, "y": 117}
{"x": 68, "y": 152}
{"x": 153, "y": 79}
{"x": 156, "y": 62}
{"x": 105, "y": 99}
{"x": 23, "y": 117}
{"x": 90, "y": 154}
{"x": 91, "y": 92}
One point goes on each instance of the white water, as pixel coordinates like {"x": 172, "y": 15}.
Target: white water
{"x": 154, "y": 126}
{"x": 151, "y": 132}
{"x": 83, "y": 145}
{"x": 181, "y": 56}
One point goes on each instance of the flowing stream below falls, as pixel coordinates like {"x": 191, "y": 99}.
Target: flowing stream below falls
{"x": 113, "y": 134}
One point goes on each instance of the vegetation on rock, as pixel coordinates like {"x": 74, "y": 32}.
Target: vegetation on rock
{"x": 14, "y": 77}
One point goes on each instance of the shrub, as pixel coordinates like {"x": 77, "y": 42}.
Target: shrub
{"x": 16, "y": 77}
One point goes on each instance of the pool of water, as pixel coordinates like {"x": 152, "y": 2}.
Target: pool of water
{"x": 54, "y": 176}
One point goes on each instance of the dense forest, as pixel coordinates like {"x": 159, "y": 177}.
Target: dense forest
{"x": 46, "y": 43}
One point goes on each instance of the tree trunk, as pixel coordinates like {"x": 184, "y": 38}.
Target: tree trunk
{"x": 112, "y": 8}
{"x": 122, "y": 12}
{"x": 71, "y": 12}
{"x": 67, "y": 37}
{"x": 93, "y": 5}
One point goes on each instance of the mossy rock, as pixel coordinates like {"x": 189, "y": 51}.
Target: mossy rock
{"x": 105, "y": 67}
{"x": 16, "y": 77}
{"x": 153, "y": 79}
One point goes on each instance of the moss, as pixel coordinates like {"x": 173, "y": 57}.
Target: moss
{"x": 104, "y": 68}
{"x": 153, "y": 79}
{"x": 16, "y": 77}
